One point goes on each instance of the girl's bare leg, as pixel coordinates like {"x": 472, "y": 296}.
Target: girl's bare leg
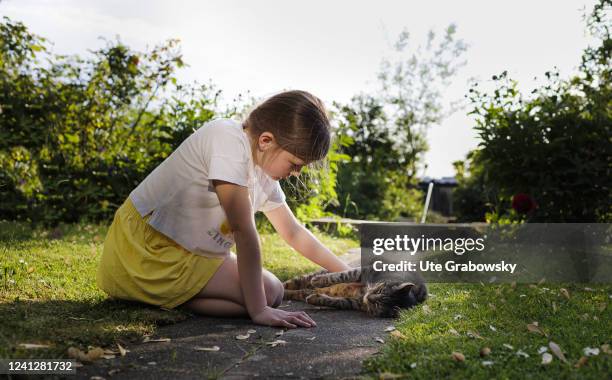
{"x": 222, "y": 295}
{"x": 215, "y": 307}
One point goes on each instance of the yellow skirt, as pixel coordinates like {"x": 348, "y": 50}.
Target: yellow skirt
{"x": 141, "y": 264}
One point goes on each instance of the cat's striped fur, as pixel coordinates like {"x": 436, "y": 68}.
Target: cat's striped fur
{"x": 345, "y": 290}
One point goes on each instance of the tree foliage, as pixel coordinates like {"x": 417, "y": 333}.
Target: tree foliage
{"x": 554, "y": 146}
{"x": 385, "y": 133}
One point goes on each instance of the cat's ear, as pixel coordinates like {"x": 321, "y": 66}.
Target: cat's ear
{"x": 403, "y": 287}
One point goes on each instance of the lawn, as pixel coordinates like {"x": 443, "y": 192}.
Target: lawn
{"x": 48, "y": 296}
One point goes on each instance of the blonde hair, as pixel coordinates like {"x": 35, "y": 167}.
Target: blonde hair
{"x": 299, "y": 122}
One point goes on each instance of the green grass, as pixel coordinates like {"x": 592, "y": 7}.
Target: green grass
{"x": 431, "y": 333}
{"x": 48, "y": 292}
{"x": 48, "y": 295}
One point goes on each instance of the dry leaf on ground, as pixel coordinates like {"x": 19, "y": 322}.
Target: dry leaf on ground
{"x": 397, "y": 334}
{"x": 582, "y": 361}
{"x": 534, "y": 328}
{"x": 458, "y": 356}
{"x": 93, "y": 354}
{"x": 485, "y": 351}
{"x": 276, "y": 343}
{"x": 212, "y": 349}
{"x": 33, "y": 346}
{"x": 588, "y": 351}
{"x": 546, "y": 358}
{"x": 122, "y": 350}
{"x": 379, "y": 339}
{"x": 565, "y": 293}
{"x": 554, "y": 347}
{"x": 389, "y": 328}
{"x": 156, "y": 340}
{"x": 243, "y": 337}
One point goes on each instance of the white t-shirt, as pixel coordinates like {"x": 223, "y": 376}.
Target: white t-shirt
{"x": 182, "y": 199}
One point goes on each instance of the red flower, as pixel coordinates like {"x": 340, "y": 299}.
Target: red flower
{"x": 523, "y": 203}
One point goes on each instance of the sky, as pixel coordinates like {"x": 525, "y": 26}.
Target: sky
{"x": 332, "y": 48}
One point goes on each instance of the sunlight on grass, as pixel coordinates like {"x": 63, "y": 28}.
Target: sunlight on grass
{"x": 48, "y": 293}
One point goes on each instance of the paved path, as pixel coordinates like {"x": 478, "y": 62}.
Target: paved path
{"x": 333, "y": 349}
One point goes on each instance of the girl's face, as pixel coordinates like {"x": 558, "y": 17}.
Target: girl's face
{"x": 275, "y": 161}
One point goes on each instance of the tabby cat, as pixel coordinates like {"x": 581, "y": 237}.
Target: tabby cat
{"x": 344, "y": 290}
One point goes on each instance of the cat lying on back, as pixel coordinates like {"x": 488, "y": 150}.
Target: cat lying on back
{"x": 344, "y": 290}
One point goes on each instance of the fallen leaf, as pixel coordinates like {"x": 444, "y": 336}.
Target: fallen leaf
{"x": 276, "y": 342}
{"x": 534, "y": 328}
{"x": 122, "y": 350}
{"x": 413, "y": 365}
{"x": 605, "y": 348}
{"x": 30, "y": 269}
{"x": 107, "y": 356}
{"x": 602, "y": 306}
{"x": 311, "y": 338}
{"x": 487, "y": 363}
{"x": 457, "y": 316}
{"x": 379, "y": 339}
{"x": 389, "y": 376}
{"x": 554, "y": 347}
{"x": 485, "y": 351}
{"x": 565, "y": 293}
{"x": 242, "y": 337}
{"x": 389, "y": 328}
{"x": 33, "y": 346}
{"x": 397, "y": 334}
{"x": 93, "y": 354}
{"x": 492, "y": 328}
{"x": 251, "y": 331}
{"x": 212, "y": 349}
{"x": 508, "y": 346}
{"x": 588, "y": 351}
{"x": 554, "y": 307}
{"x": 542, "y": 349}
{"x": 156, "y": 340}
{"x": 522, "y": 353}
{"x": 542, "y": 280}
{"x": 458, "y": 356}
{"x": 426, "y": 309}
{"x": 473, "y": 335}
{"x": 546, "y": 358}
{"x": 279, "y": 333}
{"x": 582, "y": 361}
{"x": 492, "y": 306}
{"x": 453, "y": 331}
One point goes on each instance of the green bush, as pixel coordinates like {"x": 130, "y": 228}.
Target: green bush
{"x": 554, "y": 146}
{"x": 78, "y": 134}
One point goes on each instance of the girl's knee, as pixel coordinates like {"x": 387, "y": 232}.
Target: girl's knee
{"x": 274, "y": 291}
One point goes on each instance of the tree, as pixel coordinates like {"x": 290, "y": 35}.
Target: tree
{"x": 554, "y": 146}
{"x": 387, "y": 130}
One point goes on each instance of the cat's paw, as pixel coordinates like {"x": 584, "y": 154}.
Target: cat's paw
{"x": 318, "y": 281}
{"x": 313, "y": 299}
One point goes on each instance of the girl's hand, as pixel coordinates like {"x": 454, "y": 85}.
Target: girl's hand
{"x": 276, "y": 317}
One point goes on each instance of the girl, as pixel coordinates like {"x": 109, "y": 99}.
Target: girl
{"x": 169, "y": 242}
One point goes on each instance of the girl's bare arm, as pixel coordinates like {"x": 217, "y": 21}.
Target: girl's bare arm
{"x": 302, "y": 240}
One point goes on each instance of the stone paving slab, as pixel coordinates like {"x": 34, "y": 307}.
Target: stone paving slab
{"x": 334, "y": 349}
